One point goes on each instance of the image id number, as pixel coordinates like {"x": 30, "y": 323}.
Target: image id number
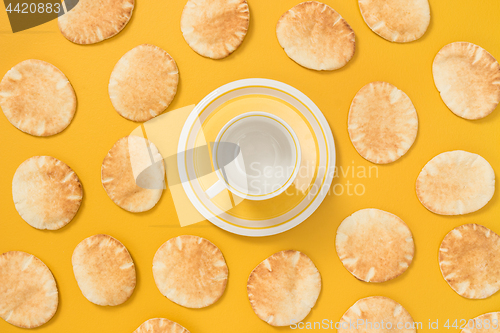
{"x": 32, "y": 8}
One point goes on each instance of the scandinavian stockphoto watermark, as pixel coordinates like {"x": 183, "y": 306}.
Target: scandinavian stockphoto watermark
{"x": 461, "y": 324}
{"x": 348, "y": 180}
{"x": 239, "y": 173}
{"x": 359, "y": 324}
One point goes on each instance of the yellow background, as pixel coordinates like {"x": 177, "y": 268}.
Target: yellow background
{"x": 96, "y": 126}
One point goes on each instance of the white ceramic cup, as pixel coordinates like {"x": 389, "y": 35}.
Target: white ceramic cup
{"x": 256, "y": 156}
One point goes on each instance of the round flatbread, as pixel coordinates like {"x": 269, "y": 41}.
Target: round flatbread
{"x": 215, "y": 28}
{"x": 315, "y": 36}
{"x": 190, "y": 271}
{"x": 374, "y": 245}
{"x": 396, "y": 20}
{"x": 485, "y": 323}
{"x": 93, "y": 21}
{"x": 28, "y": 291}
{"x": 382, "y": 123}
{"x": 376, "y": 314}
{"x": 143, "y": 83}
{"x": 469, "y": 258}
{"x": 129, "y": 176}
{"x": 160, "y": 325}
{"x": 455, "y": 182}
{"x": 283, "y": 288}
{"x": 37, "y": 98}
{"x": 104, "y": 270}
{"x": 46, "y": 192}
{"x": 468, "y": 79}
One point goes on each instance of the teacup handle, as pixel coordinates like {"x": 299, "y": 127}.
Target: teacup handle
{"x": 216, "y": 188}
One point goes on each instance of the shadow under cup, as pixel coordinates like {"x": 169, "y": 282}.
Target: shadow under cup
{"x": 261, "y": 158}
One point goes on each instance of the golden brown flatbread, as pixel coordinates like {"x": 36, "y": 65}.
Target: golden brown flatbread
{"x": 315, "y": 36}
{"x": 284, "y": 288}
{"x": 369, "y": 313}
{"x": 396, "y": 20}
{"x": 160, "y": 325}
{"x": 190, "y": 271}
{"x": 92, "y": 21}
{"x": 143, "y": 83}
{"x": 469, "y": 258}
{"x": 485, "y": 323}
{"x": 215, "y": 28}
{"x": 104, "y": 270}
{"x": 37, "y": 98}
{"x": 132, "y": 158}
{"x": 468, "y": 79}
{"x": 455, "y": 182}
{"x": 28, "y": 291}
{"x": 46, "y": 192}
{"x": 382, "y": 123}
{"x": 374, "y": 245}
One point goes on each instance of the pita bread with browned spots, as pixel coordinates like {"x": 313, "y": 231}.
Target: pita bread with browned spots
{"x": 368, "y": 314}
{"x": 131, "y": 159}
{"x": 160, "y": 325}
{"x": 92, "y": 21}
{"x": 315, "y": 36}
{"x": 382, "y": 123}
{"x": 37, "y": 98}
{"x": 46, "y": 192}
{"x": 284, "y": 288}
{"x": 190, "y": 271}
{"x": 396, "y": 20}
{"x": 28, "y": 291}
{"x": 455, "y": 182}
{"x": 468, "y": 79}
{"x": 143, "y": 83}
{"x": 374, "y": 245}
{"x": 215, "y": 28}
{"x": 104, "y": 270}
{"x": 485, "y": 323}
{"x": 469, "y": 258}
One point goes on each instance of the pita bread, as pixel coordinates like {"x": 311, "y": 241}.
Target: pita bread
{"x": 468, "y": 79}
{"x": 486, "y": 323}
{"x": 396, "y": 20}
{"x": 143, "y": 83}
{"x": 455, "y": 182}
{"x": 126, "y": 161}
{"x": 469, "y": 258}
{"x": 215, "y": 28}
{"x": 370, "y": 311}
{"x": 37, "y": 98}
{"x": 28, "y": 291}
{"x": 315, "y": 36}
{"x": 190, "y": 271}
{"x": 160, "y": 325}
{"x": 46, "y": 192}
{"x": 374, "y": 246}
{"x": 93, "y": 21}
{"x": 382, "y": 122}
{"x": 283, "y": 288}
{"x": 104, "y": 270}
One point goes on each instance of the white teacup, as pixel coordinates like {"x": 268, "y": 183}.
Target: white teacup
{"x": 256, "y": 156}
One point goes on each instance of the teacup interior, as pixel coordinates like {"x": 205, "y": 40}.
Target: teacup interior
{"x": 268, "y": 155}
